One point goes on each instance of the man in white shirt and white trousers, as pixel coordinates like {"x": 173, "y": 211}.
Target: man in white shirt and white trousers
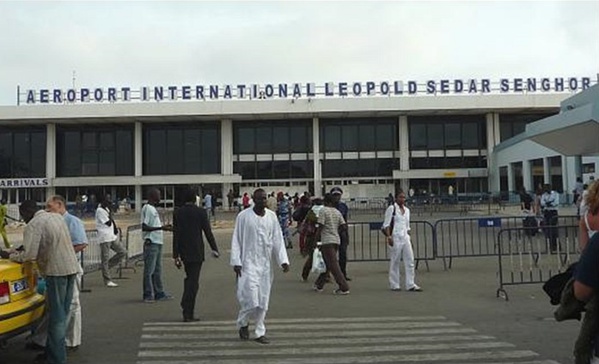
{"x": 400, "y": 245}
{"x": 256, "y": 239}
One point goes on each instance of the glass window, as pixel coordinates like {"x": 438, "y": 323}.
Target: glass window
{"x": 418, "y": 136}
{"x": 89, "y": 163}
{"x": 89, "y": 140}
{"x": 155, "y": 156}
{"x": 301, "y": 169}
{"x": 5, "y": 153}
{"x": 349, "y": 137}
{"x": 332, "y": 168}
{"x": 332, "y": 139}
{"x": 124, "y": 152}
{"x": 301, "y": 139}
{"x": 192, "y": 160}
{"x": 385, "y": 167}
{"x": 470, "y": 136}
{"x": 280, "y": 136}
{"x": 264, "y": 140}
{"x": 247, "y": 170}
{"x": 106, "y": 141}
{"x": 386, "y": 135}
{"x": 174, "y": 151}
{"x": 245, "y": 141}
{"x": 505, "y": 130}
{"x": 453, "y": 137}
{"x": 38, "y": 154}
{"x": 281, "y": 169}
{"x": 367, "y": 137}
{"x": 210, "y": 151}
{"x": 435, "y": 136}
{"x": 106, "y": 163}
{"x": 264, "y": 170}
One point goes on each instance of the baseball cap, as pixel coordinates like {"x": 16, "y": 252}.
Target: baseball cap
{"x": 336, "y": 191}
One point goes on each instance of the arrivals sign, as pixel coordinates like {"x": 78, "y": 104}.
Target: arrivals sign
{"x": 23, "y": 182}
{"x": 397, "y": 88}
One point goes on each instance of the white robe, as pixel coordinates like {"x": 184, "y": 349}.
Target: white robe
{"x": 256, "y": 239}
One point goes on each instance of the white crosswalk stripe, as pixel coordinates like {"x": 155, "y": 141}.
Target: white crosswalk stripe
{"x": 420, "y": 339}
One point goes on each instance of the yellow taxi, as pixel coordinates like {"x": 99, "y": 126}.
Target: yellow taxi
{"x": 21, "y": 307}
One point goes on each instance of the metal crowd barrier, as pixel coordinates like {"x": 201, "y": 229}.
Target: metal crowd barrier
{"x": 524, "y": 258}
{"x": 476, "y": 236}
{"x": 367, "y": 243}
{"x": 91, "y": 256}
{"x": 134, "y": 245}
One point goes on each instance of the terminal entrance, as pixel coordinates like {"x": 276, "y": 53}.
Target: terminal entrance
{"x": 15, "y": 196}
{"x": 447, "y": 188}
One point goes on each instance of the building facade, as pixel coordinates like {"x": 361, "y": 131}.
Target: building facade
{"x": 432, "y": 144}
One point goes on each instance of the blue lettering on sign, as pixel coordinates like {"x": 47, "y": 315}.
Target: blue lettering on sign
{"x": 186, "y": 92}
{"x": 586, "y": 83}
{"x": 297, "y": 90}
{"x": 283, "y": 90}
{"x": 559, "y": 84}
{"x": 71, "y": 95}
{"x": 531, "y": 84}
{"x": 228, "y": 94}
{"x": 254, "y": 92}
{"x": 343, "y": 89}
{"x": 310, "y": 90}
{"x": 369, "y": 87}
{"x": 172, "y": 92}
{"x": 486, "y": 85}
{"x": 200, "y": 92}
{"x": 84, "y": 94}
{"x": 472, "y": 88}
{"x": 384, "y": 88}
{"x": 126, "y": 93}
{"x": 397, "y": 88}
{"x": 144, "y": 94}
{"x": 269, "y": 90}
{"x": 444, "y": 86}
{"x": 573, "y": 84}
{"x": 458, "y": 86}
{"x": 357, "y": 89}
{"x": 545, "y": 84}
{"x": 158, "y": 93}
{"x": 412, "y": 87}
{"x": 57, "y": 96}
{"x": 44, "y": 95}
{"x": 489, "y": 222}
{"x": 328, "y": 89}
{"x": 518, "y": 85}
{"x": 31, "y": 97}
{"x": 98, "y": 95}
{"x": 112, "y": 94}
{"x": 430, "y": 87}
{"x": 214, "y": 91}
{"x": 504, "y": 85}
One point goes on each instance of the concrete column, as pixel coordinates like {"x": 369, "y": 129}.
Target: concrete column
{"x": 226, "y": 159}
{"x": 510, "y": 177}
{"x": 496, "y": 126}
{"x": 316, "y": 159}
{"x": 138, "y": 161}
{"x": 50, "y": 158}
{"x": 546, "y": 170}
{"x": 527, "y": 175}
{"x": 490, "y": 118}
{"x": 577, "y": 166}
{"x": 404, "y": 150}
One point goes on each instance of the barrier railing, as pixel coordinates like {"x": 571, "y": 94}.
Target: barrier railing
{"x": 91, "y": 256}
{"x": 134, "y": 245}
{"x": 476, "y": 236}
{"x": 366, "y": 243}
{"x": 524, "y": 258}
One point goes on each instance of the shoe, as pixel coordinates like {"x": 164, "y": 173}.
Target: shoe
{"x": 348, "y": 279}
{"x": 166, "y": 297}
{"x": 72, "y": 349}
{"x": 315, "y": 287}
{"x": 304, "y": 279}
{"x": 398, "y": 289}
{"x": 262, "y": 340}
{"x": 340, "y": 292}
{"x": 415, "y": 289}
{"x": 111, "y": 284}
{"x": 244, "y": 333}
{"x": 149, "y": 300}
{"x": 30, "y": 345}
{"x": 190, "y": 319}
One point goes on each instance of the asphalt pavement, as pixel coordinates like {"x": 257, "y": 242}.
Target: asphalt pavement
{"x": 457, "y": 319}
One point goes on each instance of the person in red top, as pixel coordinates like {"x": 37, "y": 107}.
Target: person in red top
{"x": 245, "y": 201}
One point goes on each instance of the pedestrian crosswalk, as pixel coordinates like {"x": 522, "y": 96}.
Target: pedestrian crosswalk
{"x": 418, "y": 339}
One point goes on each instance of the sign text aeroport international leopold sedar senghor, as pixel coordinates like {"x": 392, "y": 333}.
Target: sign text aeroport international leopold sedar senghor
{"x": 306, "y": 90}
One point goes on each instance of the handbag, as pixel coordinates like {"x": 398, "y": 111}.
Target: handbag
{"x": 383, "y": 230}
{"x": 318, "y": 264}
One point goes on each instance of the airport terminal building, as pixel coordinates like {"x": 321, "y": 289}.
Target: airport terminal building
{"x": 368, "y": 137}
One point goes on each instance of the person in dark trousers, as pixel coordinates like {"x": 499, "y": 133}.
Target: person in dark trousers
{"x": 336, "y": 192}
{"x": 189, "y": 221}
{"x": 549, "y": 206}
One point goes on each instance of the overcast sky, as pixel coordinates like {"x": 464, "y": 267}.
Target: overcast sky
{"x": 179, "y": 43}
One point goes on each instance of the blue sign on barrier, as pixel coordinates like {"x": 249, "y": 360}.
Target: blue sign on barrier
{"x": 489, "y": 222}
{"x": 376, "y": 225}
